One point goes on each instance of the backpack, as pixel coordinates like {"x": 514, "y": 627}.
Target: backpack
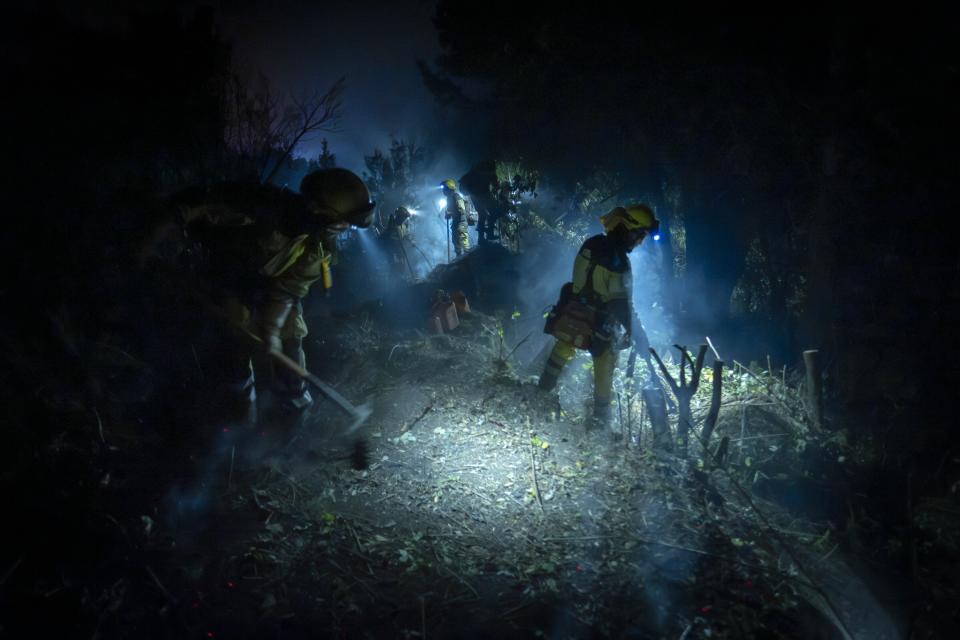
{"x": 574, "y": 319}
{"x": 570, "y": 320}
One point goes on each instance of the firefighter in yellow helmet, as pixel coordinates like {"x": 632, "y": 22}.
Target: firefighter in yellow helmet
{"x": 338, "y": 199}
{"x": 456, "y": 214}
{"x": 595, "y": 311}
{"x": 267, "y": 247}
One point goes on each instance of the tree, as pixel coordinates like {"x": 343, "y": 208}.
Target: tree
{"x": 326, "y": 160}
{"x": 265, "y": 130}
{"x": 391, "y": 176}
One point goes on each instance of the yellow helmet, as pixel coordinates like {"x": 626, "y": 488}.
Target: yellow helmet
{"x": 633, "y": 217}
{"x": 338, "y": 195}
{"x": 449, "y": 183}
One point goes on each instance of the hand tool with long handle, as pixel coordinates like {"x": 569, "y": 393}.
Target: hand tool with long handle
{"x": 359, "y": 414}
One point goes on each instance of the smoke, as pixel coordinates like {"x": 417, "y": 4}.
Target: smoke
{"x": 374, "y": 259}
{"x": 429, "y": 231}
{"x": 648, "y": 293}
{"x": 309, "y": 44}
{"x": 548, "y": 264}
{"x": 188, "y": 503}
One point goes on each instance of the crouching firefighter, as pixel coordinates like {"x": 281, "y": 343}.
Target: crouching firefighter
{"x": 595, "y": 311}
{"x": 394, "y": 235}
{"x": 266, "y": 248}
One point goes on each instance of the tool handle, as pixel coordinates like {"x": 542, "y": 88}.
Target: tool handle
{"x": 316, "y": 382}
{"x": 632, "y": 362}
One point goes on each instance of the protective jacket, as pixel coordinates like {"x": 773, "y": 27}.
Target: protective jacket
{"x": 264, "y": 250}
{"x": 457, "y": 215}
{"x": 456, "y": 208}
{"x": 602, "y": 279}
{"x": 394, "y": 236}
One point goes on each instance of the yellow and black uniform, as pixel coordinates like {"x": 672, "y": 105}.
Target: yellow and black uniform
{"x": 602, "y": 280}
{"x": 602, "y": 285}
{"x": 293, "y": 265}
{"x": 396, "y": 232}
{"x": 266, "y": 247}
{"x": 264, "y": 252}
{"x": 457, "y": 215}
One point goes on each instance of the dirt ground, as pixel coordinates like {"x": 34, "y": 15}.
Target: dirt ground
{"x": 486, "y": 509}
{"x": 470, "y": 504}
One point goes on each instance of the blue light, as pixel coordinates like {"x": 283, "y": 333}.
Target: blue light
{"x": 656, "y": 237}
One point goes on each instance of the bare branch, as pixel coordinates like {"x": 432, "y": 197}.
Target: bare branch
{"x": 712, "y": 348}
{"x": 698, "y": 368}
{"x": 666, "y": 374}
{"x": 264, "y": 129}
{"x": 307, "y": 115}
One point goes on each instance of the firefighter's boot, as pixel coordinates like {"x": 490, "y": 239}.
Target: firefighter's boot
{"x": 602, "y": 414}
{"x": 548, "y": 381}
{"x": 561, "y": 354}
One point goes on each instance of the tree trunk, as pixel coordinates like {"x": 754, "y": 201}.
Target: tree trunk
{"x": 814, "y": 388}
{"x": 685, "y": 421}
{"x": 657, "y": 409}
{"x": 714, "y": 412}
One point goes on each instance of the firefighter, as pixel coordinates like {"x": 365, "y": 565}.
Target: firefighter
{"x": 394, "y": 235}
{"x": 457, "y": 216}
{"x": 266, "y": 248}
{"x": 397, "y": 227}
{"x": 595, "y": 310}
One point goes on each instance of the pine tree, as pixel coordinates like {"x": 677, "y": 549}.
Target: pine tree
{"x": 326, "y": 160}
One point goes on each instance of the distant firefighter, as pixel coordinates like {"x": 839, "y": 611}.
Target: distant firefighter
{"x": 595, "y": 311}
{"x": 396, "y": 233}
{"x": 495, "y": 187}
{"x": 457, "y": 215}
{"x": 265, "y": 248}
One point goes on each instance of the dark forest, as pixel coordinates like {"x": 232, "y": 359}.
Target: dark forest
{"x": 287, "y": 349}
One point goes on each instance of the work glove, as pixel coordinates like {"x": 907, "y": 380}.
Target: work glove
{"x": 614, "y": 333}
{"x": 619, "y": 336}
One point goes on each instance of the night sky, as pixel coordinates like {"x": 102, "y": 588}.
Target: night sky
{"x": 375, "y": 45}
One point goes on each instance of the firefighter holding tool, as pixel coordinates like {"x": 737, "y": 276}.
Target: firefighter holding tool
{"x": 595, "y": 311}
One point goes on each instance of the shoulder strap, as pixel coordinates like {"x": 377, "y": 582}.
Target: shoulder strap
{"x": 588, "y": 292}
{"x": 285, "y": 258}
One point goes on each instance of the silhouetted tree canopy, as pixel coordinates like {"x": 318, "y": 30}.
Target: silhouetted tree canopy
{"x": 818, "y": 147}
